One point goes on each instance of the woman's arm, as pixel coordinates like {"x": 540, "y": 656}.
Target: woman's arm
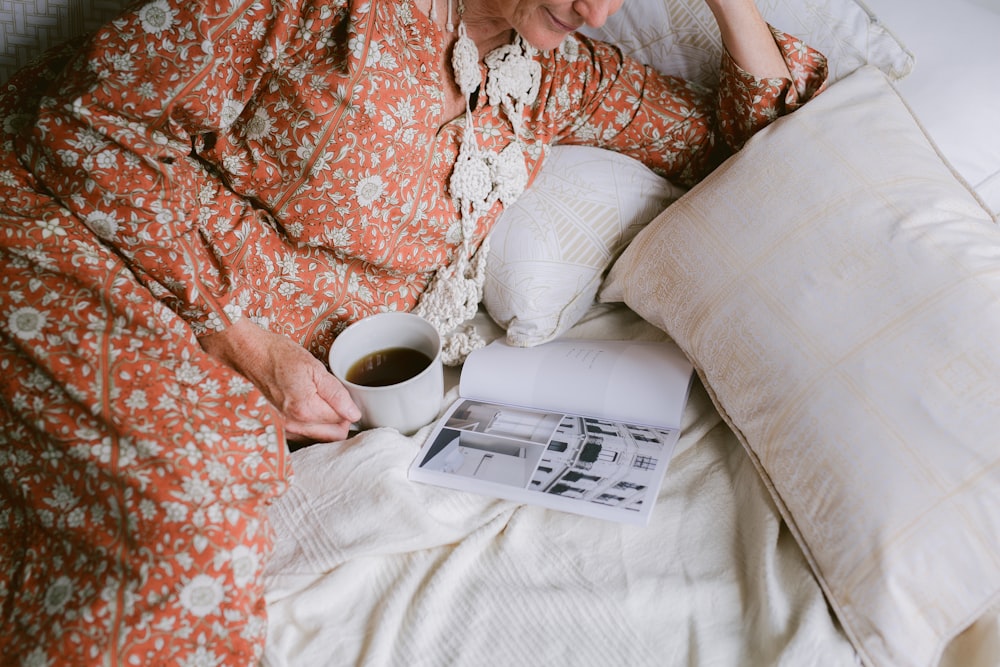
{"x": 593, "y": 94}
{"x": 113, "y": 137}
{"x": 748, "y": 38}
{"x": 113, "y": 143}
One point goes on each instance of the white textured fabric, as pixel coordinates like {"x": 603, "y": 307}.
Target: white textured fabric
{"x": 838, "y": 289}
{"x": 371, "y": 569}
{"x": 550, "y": 249}
{"x": 681, "y": 37}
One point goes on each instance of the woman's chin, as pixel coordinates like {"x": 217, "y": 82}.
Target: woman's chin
{"x": 547, "y": 42}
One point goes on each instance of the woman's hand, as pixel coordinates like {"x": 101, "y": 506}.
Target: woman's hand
{"x": 314, "y": 404}
{"x": 748, "y": 38}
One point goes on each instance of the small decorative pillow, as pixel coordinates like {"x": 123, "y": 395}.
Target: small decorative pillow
{"x": 838, "y": 289}
{"x": 681, "y": 37}
{"x": 550, "y": 249}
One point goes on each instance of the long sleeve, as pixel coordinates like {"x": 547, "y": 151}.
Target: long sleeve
{"x": 680, "y": 129}
{"x": 746, "y": 103}
{"x": 113, "y": 140}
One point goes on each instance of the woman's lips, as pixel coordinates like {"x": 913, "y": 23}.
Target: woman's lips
{"x": 565, "y": 27}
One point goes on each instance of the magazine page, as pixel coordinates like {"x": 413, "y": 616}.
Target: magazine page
{"x": 642, "y": 382}
{"x": 584, "y": 465}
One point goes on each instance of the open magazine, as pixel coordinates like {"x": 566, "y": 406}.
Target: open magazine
{"x": 582, "y": 426}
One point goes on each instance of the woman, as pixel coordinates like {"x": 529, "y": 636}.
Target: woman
{"x": 195, "y": 201}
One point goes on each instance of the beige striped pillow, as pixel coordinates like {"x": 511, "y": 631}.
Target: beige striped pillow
{"x": 838, "y": 289}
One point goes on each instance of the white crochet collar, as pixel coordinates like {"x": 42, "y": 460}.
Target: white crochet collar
{"x": 480, "y": 178}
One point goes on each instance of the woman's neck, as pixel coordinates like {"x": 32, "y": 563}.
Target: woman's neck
{"x": 488, "y": 33}
{"x": 486, "y": 25}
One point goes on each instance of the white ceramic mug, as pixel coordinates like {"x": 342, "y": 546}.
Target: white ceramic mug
{"x": 406, "y": 405}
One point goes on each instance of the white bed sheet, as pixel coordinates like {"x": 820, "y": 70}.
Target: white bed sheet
{"x": 371, "y": 569}
{"x": 953, "y": 86}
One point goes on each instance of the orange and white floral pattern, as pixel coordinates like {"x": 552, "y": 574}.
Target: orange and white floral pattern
{"x": 198, "y": 162}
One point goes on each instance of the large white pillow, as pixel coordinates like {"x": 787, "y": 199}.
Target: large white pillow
{"x": 550, "y": 249}
{"x": 838, "y": 289}
{"x": 681, "y": 37}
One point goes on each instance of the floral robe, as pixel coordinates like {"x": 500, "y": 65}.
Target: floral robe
{"x": 196, "y": 162}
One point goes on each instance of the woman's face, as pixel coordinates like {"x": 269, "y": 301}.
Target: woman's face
{"x": 543, "y": 23}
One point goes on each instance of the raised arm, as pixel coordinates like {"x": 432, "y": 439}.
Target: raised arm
{"x": 748, "y": 38}
{"x": 679, "y": 128}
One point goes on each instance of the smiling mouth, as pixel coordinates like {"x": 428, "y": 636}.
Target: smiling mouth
{"x": 564, "y": 27}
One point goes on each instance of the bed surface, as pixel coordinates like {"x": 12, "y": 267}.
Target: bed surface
{"x": 952, "y": 88}
{"x": 371, "y": 569}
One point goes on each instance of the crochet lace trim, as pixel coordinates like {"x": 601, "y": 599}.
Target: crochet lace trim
{"x": 480, "y": 178}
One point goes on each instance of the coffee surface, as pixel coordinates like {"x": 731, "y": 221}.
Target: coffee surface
{"x": 389, "y": 366}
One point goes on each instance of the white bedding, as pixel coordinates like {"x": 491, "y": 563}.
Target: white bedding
{"x": 371, "y": 569}
{"x": 953, "y": 86}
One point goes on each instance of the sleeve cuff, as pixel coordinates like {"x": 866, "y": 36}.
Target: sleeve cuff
{"x": 747, "y": 103}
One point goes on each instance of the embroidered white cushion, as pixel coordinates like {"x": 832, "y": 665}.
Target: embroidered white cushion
{"x": 838, "y": 289}
{"x": 550, "y": 249}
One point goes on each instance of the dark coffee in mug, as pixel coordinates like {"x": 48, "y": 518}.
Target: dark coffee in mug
{"x": 389, "y": 366}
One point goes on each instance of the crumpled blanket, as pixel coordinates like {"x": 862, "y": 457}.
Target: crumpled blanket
{"x": 372, "y": 569}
